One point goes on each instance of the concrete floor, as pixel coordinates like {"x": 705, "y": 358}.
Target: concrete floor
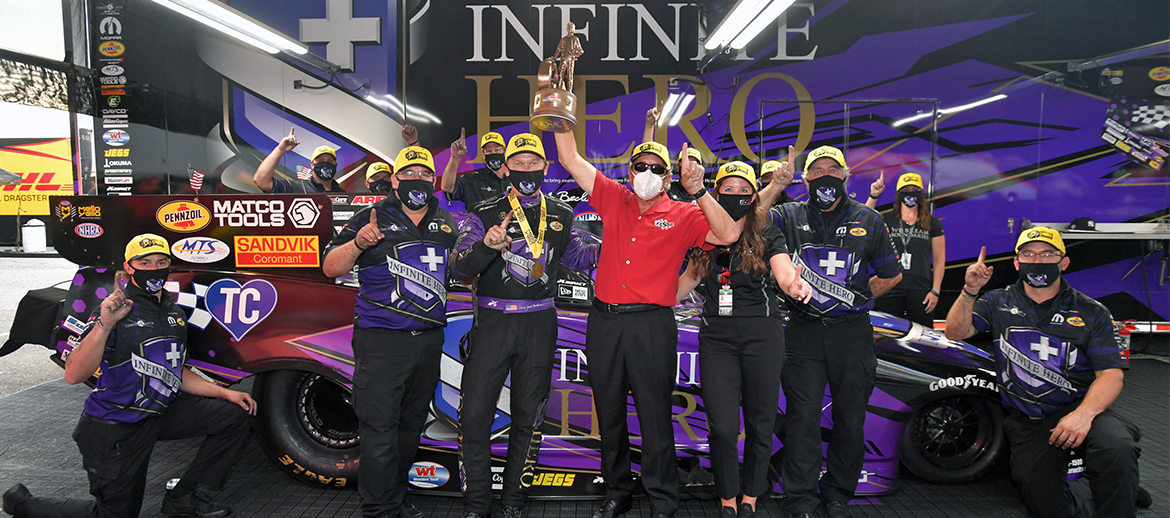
{"x": 30, "y": 365}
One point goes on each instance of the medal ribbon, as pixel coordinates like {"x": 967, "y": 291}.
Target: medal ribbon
{"x": 535, "y": 244}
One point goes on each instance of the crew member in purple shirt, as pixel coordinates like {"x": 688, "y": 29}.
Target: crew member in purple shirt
{"x": 513, "y": 246}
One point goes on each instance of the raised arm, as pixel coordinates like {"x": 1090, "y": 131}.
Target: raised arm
{"x": 771, "y": 193}
{"x": 458, "y": 151}
{"x": 263, "y": 175}
{"x": 875, "y": 190}
{"x": 959, "y": 319}
{"x": 651, "y": 121}
{"x": 341, "y": 259}
{"x": 87, "y": 356}
{"x": 723, "y": 231}
{"x": 582, "y": 171}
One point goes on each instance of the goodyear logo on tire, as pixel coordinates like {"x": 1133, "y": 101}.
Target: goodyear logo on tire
{"x": 183, "y": 216}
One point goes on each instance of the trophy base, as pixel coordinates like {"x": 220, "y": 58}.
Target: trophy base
{"x": 553, "y": 109}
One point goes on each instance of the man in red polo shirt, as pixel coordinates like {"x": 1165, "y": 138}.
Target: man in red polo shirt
{"x": 632, "y": 337}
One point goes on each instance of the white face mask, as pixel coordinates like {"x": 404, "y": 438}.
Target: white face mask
{"x": 647, "y": 185}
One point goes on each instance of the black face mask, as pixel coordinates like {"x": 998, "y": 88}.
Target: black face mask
{"x": 526, "y": 182}
{"x": 736, "y": 205}
{"x": 325, "y": 170}
{"x": 1040, "y": 275}
{"x": 415, "y": 193}
{"x": 494, "y": 161}
{"x": 909, "y": 199}
{"x": 381, "y": 186}
{"x": 825, "y": 190}
{"x": 151, "y": 281}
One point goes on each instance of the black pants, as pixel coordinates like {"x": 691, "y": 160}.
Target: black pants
{"x": 906, "y": 304}
{"x": 522, "y": 343}
{"x": 394, "y": 379}
{"x": 741, "y": 358}
{"x": 635, "y": 351}
{"x": 840, "y": 353}
{"x": 1040, "y": 470}
{"x": 116, "y": 455}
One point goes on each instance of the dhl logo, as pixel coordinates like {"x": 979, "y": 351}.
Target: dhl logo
{"x": 117, "y": 153}
{"x": 37, "y": 182}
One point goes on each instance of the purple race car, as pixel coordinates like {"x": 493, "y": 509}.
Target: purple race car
{"x": 935, "y": 409}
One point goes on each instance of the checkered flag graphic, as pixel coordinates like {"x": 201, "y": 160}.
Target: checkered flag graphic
{"x": 1157, "y": 115}
{"x": 196, "y": 178}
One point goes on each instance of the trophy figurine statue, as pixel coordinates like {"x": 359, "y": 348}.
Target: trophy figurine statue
{"x": 554, "y": 107}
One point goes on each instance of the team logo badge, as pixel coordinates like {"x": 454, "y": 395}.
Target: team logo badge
{"x": 556, "y": 226}
{"x": 857, "y": 231}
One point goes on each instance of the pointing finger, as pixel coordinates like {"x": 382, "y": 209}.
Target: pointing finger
{"x": 291, "y": 130}
{"x": 462, "y": 133}
{"x": 374, "y": 217}
{"x": 507, "y": 219}
{"x": 792, "y": 155}
{"x": 982, "y": 255}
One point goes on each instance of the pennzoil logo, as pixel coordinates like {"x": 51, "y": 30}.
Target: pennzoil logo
{"x": 857, "y": 231}
{"x": 556, "y": 226}
{"x": 1076, "y": 321}
{"x": 183, "y": 216}
{"x": 112, "y": 48}
{"x": 416, "y": 155}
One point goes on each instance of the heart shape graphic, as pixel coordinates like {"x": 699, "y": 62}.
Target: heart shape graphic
{"x": 239, "y": 308}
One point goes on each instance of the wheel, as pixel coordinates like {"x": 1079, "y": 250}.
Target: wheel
{"x": 308, "y": 427}
{"x": 954, "y": 440}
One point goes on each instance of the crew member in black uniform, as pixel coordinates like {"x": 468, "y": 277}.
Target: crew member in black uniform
{"x": 513, "y": 245}
{"x": 1059, "y": 366}
{"x": 378, "y": 178}
{"x": 837, "y": 241}
{"x": 741, "y": 339}
{"x": 322, "y": 167}
{"x": 138, "y": 337}
{"x": 483, "y": 183}
{"x": 775, "y": 177}
{"x": 401, "y": 246}
{"x": 922, "y": 248}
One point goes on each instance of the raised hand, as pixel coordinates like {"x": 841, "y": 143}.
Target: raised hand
{"x": 978, "y": 273}
{"x": 787, "y": 169}
{"x": 653, "y": 113}
{"x": 287, "y": 144}
{"x": 799, "y": 289}
{"x": 370, "y": 234}
{"x": 691, "y": 174}
{"x": 459, "y": 147}
{"x": 878, "y": 186}
{"x": 410, "y": 134}
{"x": 496, "y": 237}
{"x": 116, "y": 306}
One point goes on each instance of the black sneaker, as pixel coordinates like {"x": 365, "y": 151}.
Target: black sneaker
{"x": 408, "y": 510}
{"x": 15, "y": 496}
{"x": 193, "y": 505}
{"x": 511, "y": 511}
{"x": 612, "y": 509}
{"x": 1142, "y": 499}
{"x": 836, "y": 509}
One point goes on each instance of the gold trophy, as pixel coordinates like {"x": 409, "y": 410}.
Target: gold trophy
{"x": 554, "y": 107}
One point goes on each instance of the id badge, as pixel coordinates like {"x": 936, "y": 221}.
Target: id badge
{"x": 725, "y": 301}
{"x": 906, "y": 260}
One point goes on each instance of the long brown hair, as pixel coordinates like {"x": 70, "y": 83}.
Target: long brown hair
{"x": 751, "y": 245}
{"x": 923, "y": 210}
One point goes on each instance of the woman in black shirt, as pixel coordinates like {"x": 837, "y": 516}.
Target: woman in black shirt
{"x": 918, "y": 236}
{"x": 741, "y": 339}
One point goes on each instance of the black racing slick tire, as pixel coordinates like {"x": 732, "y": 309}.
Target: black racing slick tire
{"x": 308, "y": 428}
{"x": 954, "y": 440}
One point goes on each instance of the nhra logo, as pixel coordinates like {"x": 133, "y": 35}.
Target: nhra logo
{"x": 183, "y": 216}
{"x": 428, "y": 475}
{"x": 89, "y": 230}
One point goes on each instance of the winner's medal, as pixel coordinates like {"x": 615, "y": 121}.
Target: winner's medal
{"x": 535, "y": 243}
{"x": 537, "y": 270}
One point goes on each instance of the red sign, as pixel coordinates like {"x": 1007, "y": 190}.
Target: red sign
{"x": 277, "y": 251}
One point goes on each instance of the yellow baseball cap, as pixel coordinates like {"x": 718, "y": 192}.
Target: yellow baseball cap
{"x": 377, "y": 167}
{"x": 910, "y": 179}
{"x": 769, "y": 167}
{"x": 825, "y": 151}
{"x": 490, "y": 137}
{"x": 143, "y": 245}
{"x": 1041, "y": 234}
{"x": 414, "y": 155}
{"x": 653, "y": 148}
{"x": 322, "y": 150}
{"x": 524, "y": 143}
{"x": 693, "y": 153}
{"x": 739, "y": 169}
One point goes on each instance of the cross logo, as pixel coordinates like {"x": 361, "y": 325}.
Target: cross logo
{"x": 1044, "y": 350}
{"x": 831, "y": 264}
{"x": 339, "y": 31}
{"x": 174, "y": 355}
{"x": 431, "y": 260}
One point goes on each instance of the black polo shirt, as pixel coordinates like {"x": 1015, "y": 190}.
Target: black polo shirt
{"x": 477, "y": 186}
{"x": 751, "y": 294}
{"x": 915, "y": 250}
{"x": 281, "y": 185}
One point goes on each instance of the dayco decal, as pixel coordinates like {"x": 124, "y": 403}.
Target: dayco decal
{"x": 200, "y": 250}
{"x": 249, "y": 213}
{"x": 554, "y": 479}
{"x": 277, "y": 251}
{"x": 183, "y": 216}
{"x": 963, "y": 383}
{"x": 427, "y": 475}
{"x": 112, "y": 48}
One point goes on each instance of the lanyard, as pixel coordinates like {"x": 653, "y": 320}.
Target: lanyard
{"x": 535, "y": 243}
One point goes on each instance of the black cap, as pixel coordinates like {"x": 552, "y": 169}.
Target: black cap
{"x": 1084, "y": 223}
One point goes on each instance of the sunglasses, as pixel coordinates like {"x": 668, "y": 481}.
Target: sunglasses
{"x": 654, "y": 168}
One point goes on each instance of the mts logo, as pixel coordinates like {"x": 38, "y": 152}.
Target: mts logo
{"x": 117, "y": 153}
{"x": 37, "y": 182}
